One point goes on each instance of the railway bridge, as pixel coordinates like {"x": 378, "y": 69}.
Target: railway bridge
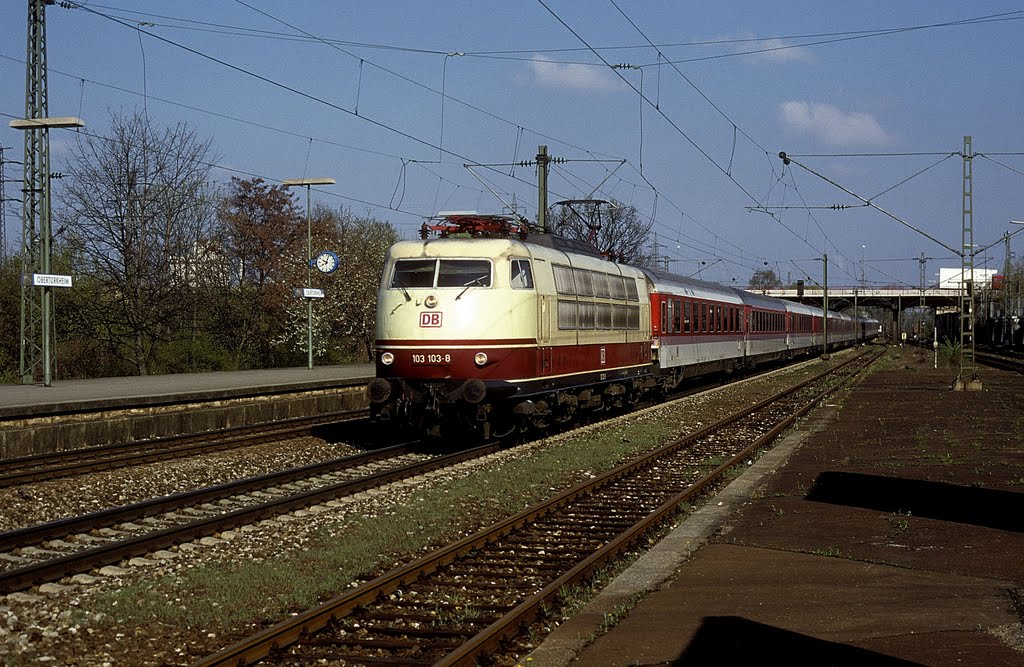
{"x": 893, "y": 298}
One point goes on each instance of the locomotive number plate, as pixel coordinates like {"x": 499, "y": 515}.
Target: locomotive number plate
{"x": 431, "y": 359}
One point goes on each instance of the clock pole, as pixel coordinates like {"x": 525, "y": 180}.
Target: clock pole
{"x": 308, "y": 182}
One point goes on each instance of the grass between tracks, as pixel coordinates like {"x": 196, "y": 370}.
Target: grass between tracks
{"x": 219, "y": 596}
{"x": 225, "y": 595}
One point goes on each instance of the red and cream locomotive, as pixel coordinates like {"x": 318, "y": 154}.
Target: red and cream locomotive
{"x": 485, "y": 327}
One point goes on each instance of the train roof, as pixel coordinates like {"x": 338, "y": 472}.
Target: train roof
{"x": 801, "y": 308}
{"x": 763, "y": 301}
{"x": 564, "y": 244}
{"x": 488, "y": 245}
{"x": 665, "y": 281}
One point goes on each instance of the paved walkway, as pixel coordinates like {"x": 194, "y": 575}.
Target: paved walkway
{"x": 888, "y": 530}
{"x": 19, "y": 400}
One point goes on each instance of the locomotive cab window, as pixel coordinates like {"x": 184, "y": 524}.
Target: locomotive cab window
{"x": 464, "y": 272}
{"x": 413, "y": 273}
{"x": 522, "y": 275}
{"x": 441, "y": 273}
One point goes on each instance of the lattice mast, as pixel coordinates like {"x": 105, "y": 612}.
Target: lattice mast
{"x": 968, "y": 376}
{"x": 36, "y": 306}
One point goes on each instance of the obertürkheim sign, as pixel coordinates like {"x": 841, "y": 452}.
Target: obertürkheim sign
{"x": 50, "y": 280}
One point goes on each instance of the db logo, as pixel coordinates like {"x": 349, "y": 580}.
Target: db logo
{"x": 430, "y": 319}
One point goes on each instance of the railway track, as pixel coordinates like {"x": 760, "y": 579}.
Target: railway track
{"x": 68, "y": 463}
{"x": 47, "y": 552}
{"x": 1003, "y": 362}
{"x": 467, "y": 601}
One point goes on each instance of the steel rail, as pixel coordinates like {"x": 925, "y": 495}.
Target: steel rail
{"x": 159, "y": 449}
{"x": 23, "y": 577}
{"x": 31, "y": 535}
{"x": 489, "y": 640}
{"x": 1000, "y": 361}
{"x": 291, "y": 630}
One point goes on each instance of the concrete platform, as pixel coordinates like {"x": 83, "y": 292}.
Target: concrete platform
{"x": 74, "y": 414}
{"x": 17, "y": 400}
{"x": 889, "y": 529}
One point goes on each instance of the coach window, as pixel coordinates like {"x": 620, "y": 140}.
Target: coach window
{"x": 617, "y": 287}
{"x": 631, "y": 291}
{"x": 677, "y": 316}
{"x": 413, "y": 273}
{"x": 586, "y": 315}
{"x": 584, "y": 282}
{"x": 620, "y": 316}
{"x": 564, "y": 284}
{"x": 633, "y": 317}
{"x": 718, "y": 318}
{"x": 566, "y": 314}
{"x": 522, "y": 275}
{"x": 601, "y": 285}
{"x": 664, "y": 316}
{"x": 703, "y": 318}
{"x": 686, "y": 317}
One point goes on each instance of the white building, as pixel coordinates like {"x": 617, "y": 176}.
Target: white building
{"x": 951, "y": 278}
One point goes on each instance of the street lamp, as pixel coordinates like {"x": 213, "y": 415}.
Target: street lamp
{"x": 308, "y": 183}
{"x": 37, "y": 179}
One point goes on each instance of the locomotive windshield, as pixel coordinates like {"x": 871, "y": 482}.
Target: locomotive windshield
{"x": 414, "y": 273}
{"x": 441, "y": 273}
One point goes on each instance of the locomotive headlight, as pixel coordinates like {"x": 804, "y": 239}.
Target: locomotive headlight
{"x": 480, "y": 358}
{"x": 387, "y": 358}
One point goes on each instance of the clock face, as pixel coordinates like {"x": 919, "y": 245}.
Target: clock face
{"x": 326, "y": 262}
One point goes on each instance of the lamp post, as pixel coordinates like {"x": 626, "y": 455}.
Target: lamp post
{"x": 37, "y": 183}
{"x": 308, "y": 183}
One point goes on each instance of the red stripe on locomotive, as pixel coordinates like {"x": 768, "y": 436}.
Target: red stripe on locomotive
{"x": 507, "y": 363}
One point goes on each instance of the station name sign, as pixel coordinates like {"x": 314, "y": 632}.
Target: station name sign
{"x": 309, "y": 293}
{"x": 50, "y": 280}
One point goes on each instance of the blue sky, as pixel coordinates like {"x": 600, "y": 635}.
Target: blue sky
{"x": 875, "y": 96}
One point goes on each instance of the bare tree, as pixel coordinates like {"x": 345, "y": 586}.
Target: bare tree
{"x": 135, "y": 212}
{"x": 262, "y": 234}
{"x": 615, "y": 229}
{"x": 765, "y": 279}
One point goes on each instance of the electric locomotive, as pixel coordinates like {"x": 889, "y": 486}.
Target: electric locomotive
{"x": 487, "y": 326}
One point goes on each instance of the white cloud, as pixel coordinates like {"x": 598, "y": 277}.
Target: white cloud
{"x": 778, "y": 51}
{"x": 574, "y": 76}
{"x": 833, "y": 125}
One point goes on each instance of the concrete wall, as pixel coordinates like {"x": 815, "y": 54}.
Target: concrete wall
{"x": 41, "y": 435}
